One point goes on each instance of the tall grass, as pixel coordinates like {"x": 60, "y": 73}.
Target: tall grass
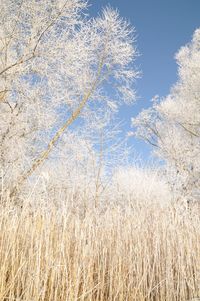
{"x": 146, "y": 253}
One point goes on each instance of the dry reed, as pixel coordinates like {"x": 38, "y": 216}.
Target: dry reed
{"x": 148, "y": 253}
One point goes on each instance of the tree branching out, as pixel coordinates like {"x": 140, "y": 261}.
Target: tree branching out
{"x": 55, "y": 66}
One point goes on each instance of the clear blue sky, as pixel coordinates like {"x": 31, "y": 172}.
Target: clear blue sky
{"x": 162, "y": 27}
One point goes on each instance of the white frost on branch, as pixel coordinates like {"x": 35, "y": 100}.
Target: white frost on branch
{"x": 57, "y": 65}
{"x": 172, "y": 124}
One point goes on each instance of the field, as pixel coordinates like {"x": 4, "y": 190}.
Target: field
{"x": 138, "y": 253}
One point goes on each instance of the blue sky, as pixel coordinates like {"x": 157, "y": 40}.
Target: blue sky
{"x": 162, "y": 27}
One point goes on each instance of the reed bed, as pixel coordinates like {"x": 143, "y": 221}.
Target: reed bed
{"x": 146, "y": 253}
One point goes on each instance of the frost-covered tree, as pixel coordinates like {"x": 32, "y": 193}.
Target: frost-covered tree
{"x": 79, "y": 174}
{"x": 56, "y": 65}
{"x": 172, "y": 125}
{"x": 136, "y": 186}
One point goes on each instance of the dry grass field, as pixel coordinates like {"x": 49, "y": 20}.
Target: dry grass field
{"x": 146, "y": 253}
